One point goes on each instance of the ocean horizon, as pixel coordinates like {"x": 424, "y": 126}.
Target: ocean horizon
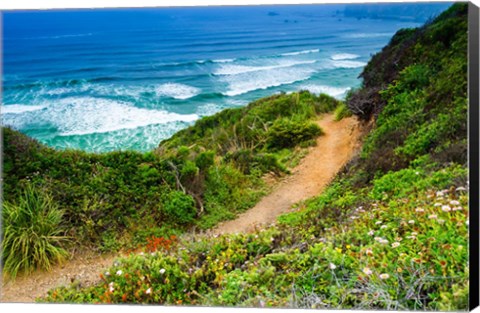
{"x": 106, "y": 80}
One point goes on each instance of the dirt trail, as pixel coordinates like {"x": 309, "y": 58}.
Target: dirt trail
{"x": 84, "y": 269}
{"x": 308, "y": 179}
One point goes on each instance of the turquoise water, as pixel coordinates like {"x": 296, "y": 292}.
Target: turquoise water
{"x": 103, "y": 80}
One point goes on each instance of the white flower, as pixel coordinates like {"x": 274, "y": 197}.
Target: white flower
{"x": 411, "y": 237}
{"x": 378, "y": 222}
{"x": 467, "y": 222}
{"x": 440, "y": 221}
{"x": 461, "y": 189}
{"x": 454, "y": 202}
{"x": 162, "y": 271}
{"x": 433, "y": 216}
{"x": 395, "y": 244}
{"x": 417, "y": 173}
{"x": 384, "y": 241}
{"x": 371, "y": 233}
{"x": 440, "y": 194}
{"x": 383, "y": 226}
{"x": 411, "y": 222}
{"x": 384, "y": 276}
{"x": 457, "y": 208}
{"x": 420, "y": 210}
{"x": 367, "y": 271}
{"x": 369, "y": 252}
{"x": 119, "y": 272}
{"x": 332, "y": 266}
{"x": 149, "y": 291}
{"x": 437, "y": 204}
{"x": 446, "y": 208}
{"x": 107, "y": 273}
{"x": 378, "y": 239}
{"x": 110, "y": 287}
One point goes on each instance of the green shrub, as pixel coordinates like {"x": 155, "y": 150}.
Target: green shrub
{"x": 179, "y": 207}
{"x": 109, "y": 242}
{"x": 286, "y": 133}
{"x": 205, "y": 159}
{"x": 32, "y": 233}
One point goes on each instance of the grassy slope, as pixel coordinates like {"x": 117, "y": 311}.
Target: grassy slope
{"x": 120, "y": 199}
{"x": 390, "y": 232}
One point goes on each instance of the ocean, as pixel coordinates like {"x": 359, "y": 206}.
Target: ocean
{"x": 105, "y": 80}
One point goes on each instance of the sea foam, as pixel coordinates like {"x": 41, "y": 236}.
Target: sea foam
{"x": 177, "y": 91}
{"x": 300, "y": 52}
{"x": 347, "y": 64}
{"x": 88, "y": 115}
{"x": 336, "y": 92}
{"x": 234, "y": 69}
{"x": 19, "y": 108}
{"x": 247, "y": 82}
{"x": 344, "y": 56}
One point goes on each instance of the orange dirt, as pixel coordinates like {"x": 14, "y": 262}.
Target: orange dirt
{"x": 308, "y": 179}
{"x": 83, "y": 269}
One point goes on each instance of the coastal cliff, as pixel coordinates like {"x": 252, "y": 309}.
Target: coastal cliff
{"x": 390, "y": 231}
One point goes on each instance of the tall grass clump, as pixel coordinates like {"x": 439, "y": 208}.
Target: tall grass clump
{"x": 342, "y": 111}
{"x": 32, "y": 233}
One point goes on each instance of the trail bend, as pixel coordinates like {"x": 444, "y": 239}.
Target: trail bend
{"x": 335, "y": 148}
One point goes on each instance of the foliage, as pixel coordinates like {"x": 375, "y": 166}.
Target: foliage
{"x": 430, "y": 49}
{"x": 286, "y": 133}
{"x": 342, "y": 111}
{"x": 32, "y": 234}
{"x": 424, "y": 106}
{"x": 395, "y": 254}
{"x": 179, "y": 207}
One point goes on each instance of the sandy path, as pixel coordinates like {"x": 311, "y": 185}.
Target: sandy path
{"x": 84, "y": 269}
{"x": 308, "y": 179}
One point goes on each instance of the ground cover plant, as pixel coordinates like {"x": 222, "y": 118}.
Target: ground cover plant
{"x": 390, "y": 232}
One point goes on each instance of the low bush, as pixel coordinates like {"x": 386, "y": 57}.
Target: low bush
{"x": 287, "y": 133}
{"x": 179, "y": 207}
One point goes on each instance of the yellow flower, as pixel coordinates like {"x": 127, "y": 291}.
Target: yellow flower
{"x": 348, "y": 247}
{"x": 338, "y": 250}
